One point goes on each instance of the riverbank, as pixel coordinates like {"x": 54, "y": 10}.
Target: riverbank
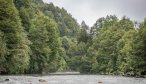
{"x": 65, "y": 73}
{"x": 71, "y": 79}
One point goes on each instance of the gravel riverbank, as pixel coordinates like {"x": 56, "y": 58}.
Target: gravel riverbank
{"x": 70, "y": 79}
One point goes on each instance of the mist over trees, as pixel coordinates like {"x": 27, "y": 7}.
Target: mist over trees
{"x": 37, "y": 37}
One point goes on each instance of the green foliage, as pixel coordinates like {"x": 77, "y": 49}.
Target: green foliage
{"x": 57, "y": 43}
{"x": 44, "y": 43}
{"x": 14, "y": 53}
{"x": 26, "y": 12}
{"x": 103, "y": 54}
{"x": 63, "y": 66}
{"x": 2, "y": 53}
{"x": 67, "y": 25}
{"x": 117, "y": 47}
{"x": 83, "y": 35}
{"x": 131, "y": 53}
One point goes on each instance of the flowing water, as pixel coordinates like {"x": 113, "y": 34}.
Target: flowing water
{"x": 71, "y": 79}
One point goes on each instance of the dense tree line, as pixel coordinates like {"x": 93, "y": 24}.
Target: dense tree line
{"x": 31, "y": 36}
{"x": 118, "y": 47}
{"x": 36, "y": 37}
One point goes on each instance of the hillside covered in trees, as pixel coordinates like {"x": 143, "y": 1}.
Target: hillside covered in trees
{"x": 37, "y": 37}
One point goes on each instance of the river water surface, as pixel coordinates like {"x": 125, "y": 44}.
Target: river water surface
{"x": 71, "y": 79}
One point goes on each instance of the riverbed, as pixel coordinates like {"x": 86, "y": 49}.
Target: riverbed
{"x": 71, "y": 79}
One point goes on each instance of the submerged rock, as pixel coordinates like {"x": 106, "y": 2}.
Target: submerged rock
{"x": 7, "y": 80}
{"x": 41, "y": 80}
{"x": 100, "y": 82}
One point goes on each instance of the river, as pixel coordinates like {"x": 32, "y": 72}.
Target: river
{"x": 71, "y": 79}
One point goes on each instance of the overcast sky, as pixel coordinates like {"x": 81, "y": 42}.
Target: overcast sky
{"x": 91, "y": 10}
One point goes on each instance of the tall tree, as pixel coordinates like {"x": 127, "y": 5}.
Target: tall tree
{"x": 131, "y": 57}
{"x": 44, "y": 43}
{"x": 26, "y": 12}
{"x": 15, "y": 41}
{"x": 83, "y": 35}
{"x": 2, "y": 53}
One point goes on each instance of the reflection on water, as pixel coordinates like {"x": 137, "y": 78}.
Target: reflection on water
{"x": 72, "y": 79}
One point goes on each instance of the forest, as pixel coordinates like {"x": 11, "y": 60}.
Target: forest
{"x": 38, "y": 38}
